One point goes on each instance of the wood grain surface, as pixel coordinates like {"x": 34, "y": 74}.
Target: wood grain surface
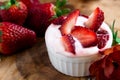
{"x": 34, "y": 64}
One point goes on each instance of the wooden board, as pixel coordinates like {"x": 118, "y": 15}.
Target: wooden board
{"x": 34, "y": 64}
{"x": 31, "y": 64}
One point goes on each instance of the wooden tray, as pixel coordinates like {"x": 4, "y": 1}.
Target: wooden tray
{"x": 31, "y": 64}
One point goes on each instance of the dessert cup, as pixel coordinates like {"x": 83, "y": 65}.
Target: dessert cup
{"x": 72, "y": 66}
{"x": 66, "y": 62}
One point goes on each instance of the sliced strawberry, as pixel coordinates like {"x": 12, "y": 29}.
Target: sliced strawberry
{"x": 95, "y": 19}
{"x": 86, "y": 36}
{"x": 84, "y": 15}
{"x": 69, "y": 23}
{"x": 68, "y": 43}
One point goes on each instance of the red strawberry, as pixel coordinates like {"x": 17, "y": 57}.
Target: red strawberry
{"x": 68, "y": 43}
{"x": 86, "y": 36}
{"x": 14, "y": 11}
{"x": 59, "y": 20}
{"x": 30, "y": 2}
{"x": 69, "y": 24}
{"x": 40, "y": 16}
{"x": 84, "y": 15}
{"x": 95, "y": 19}
{"x": 14, "y": 38}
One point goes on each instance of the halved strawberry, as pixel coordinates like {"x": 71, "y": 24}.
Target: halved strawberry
{"x": 69, "y": 23}
{"x": 95, "y": 19}
{"x": 68, "y": 43}
{"x": 86, "y": 36}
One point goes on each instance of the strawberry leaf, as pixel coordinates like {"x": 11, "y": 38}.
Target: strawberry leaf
{"x": 116, "y": 40}
{"x": 5, "y": 5}
{"x": 8, "y": 4}
{"x": 58, "y": 12}
{"x": 66, "y": 10}
{"x": 2, "y": 7}
{"x": 60, "y": 3}
{"x": 60, "y": 8}
{"x": 12, "y": 1}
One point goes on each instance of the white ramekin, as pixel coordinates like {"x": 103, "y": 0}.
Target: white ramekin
{"x": 77, "y": 66}
{"x": 72, "y": 66}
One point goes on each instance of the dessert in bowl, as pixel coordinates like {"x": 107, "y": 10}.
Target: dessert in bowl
{"x": 74, "y": 44}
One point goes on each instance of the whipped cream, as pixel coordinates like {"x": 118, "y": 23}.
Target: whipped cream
{"x": 54, "y": 42}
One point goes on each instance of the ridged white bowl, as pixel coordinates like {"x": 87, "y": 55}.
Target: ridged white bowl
{"x": 77, "y": 66}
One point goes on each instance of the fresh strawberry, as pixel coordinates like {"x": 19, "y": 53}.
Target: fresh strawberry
{"x": 14, "y": 11}
{"x": 28, "y": 3}
{"x": 40, "y": 16}
{"x": 86, "y": 36}
{"x": 103, "y": 37}
{"x": 68, "y": 43}
{"x": 14, "y": 38}
{"x": 84, "y": 15}
{"x": 59, "y": 20}
{"x": 69, "y": 24}
{"x": 95, "y": 19}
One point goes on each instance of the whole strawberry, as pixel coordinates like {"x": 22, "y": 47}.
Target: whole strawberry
{"x": 40, "y": 16}
{"x": 13, "y": 11}
{"x": 14, "y": 38}
{"x": 29, "y": 2}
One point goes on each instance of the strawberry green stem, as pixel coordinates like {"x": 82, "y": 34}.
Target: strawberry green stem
{"x": 60, "y": 8}
{"x": 12, "y": 2}
{"x": 116, "y": 39}
{"x": 8, "y": 4}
